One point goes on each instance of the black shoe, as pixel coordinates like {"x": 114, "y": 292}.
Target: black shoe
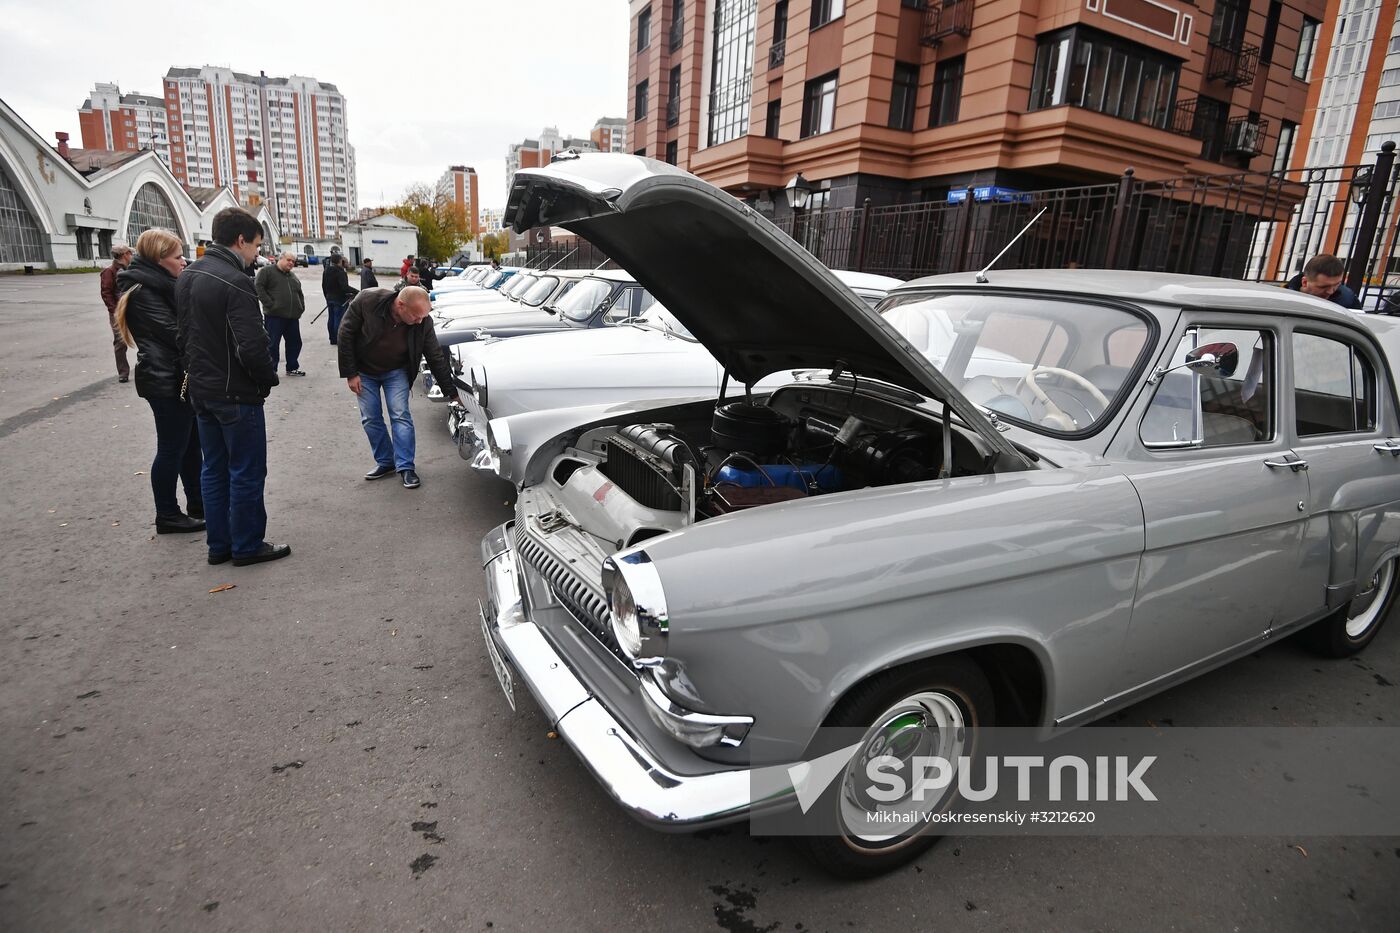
{"x": 295, "y": 372}
{"x": 410, "y": 480}
{"x": 265, "y": 553}
{"x": 123, "y": 378}
{"x": 177, "y": 524}
{"x": 195, "y": 510}
{"x": 380, "y": 472}
{"x": 220, "y": 558}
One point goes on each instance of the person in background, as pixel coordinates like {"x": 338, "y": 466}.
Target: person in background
{"x": 407, "y": 264}
{"x": 121, "y": 258}
{"x": 382, "y": 339}
{"x": 1322, "y": 278}
{"x": 411, "y": 277}
{"x": 335, "y": 286}
{"x": 279, "y": 291}
{"x": 145, "y": 319}
{"x": 367, "y": 276}
{"x": 229, "y": 374}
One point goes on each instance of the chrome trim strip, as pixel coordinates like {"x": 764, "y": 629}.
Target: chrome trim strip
{"x": 735, "y": 727}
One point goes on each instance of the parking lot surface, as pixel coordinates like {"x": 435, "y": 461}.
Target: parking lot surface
{"x": 324, "y": 746}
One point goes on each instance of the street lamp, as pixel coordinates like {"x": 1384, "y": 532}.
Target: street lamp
{"x": 798, "y": 192}
{"x": 1361, "y": 185}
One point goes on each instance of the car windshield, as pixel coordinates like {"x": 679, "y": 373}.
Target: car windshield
{"x": 475, "y": 275}
{"x": 491, "y": 280}
{"x": 583, "y": 301}
{"x": 517, "y": 285}
{"x": 542, "y": 288}
{"x": 1056, "y": 366}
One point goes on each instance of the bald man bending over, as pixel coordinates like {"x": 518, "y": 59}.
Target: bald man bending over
{"x": 382, "y": 338}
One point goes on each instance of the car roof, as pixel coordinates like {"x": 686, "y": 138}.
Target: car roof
{"x": 870, "y": 280}
{"x": 1187, "y": 291}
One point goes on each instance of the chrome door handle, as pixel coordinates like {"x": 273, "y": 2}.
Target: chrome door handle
{"x": 1389, "y": 447}
{"x": 1294, "y": 465}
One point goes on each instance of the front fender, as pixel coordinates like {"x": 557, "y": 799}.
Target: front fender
{"x": 777, "y": 612}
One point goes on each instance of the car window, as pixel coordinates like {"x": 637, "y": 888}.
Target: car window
{"x": 1040, "y": 362}
{"x": 1214, "y": 409}
{"x": 583, "y": 302}
{"x": 632, "y": 302}
{"x": 539, "y": 290}
{"x": 517, "y": 285}
{"x": 1334, "y": 387}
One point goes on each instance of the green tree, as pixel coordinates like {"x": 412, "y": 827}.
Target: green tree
{"x": 442, "y": 226}
{"x": 495, "y": 245}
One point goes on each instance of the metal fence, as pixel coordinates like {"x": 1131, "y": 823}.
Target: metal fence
{"x": 1259, "y": 226}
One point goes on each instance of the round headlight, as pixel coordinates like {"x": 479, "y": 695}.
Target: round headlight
{"x": 640, "y": 620}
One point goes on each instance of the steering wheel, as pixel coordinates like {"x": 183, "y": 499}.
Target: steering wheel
{"x": 1054, "y": 414}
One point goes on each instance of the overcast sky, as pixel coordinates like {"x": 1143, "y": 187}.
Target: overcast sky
{"x": 427, "y": 85}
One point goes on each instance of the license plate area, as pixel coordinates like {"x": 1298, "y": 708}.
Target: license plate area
{"x": 504, "y": 676}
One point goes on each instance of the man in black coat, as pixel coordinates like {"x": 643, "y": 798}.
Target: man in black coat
{"x": 1322, "y": 278}
{"x": 367, "y": 277}
{"x": 229, "y": 372}
{"x": 385, "y": 334}
{"x": 335, "y": 286}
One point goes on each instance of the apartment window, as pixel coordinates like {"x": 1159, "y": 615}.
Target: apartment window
{"x": 644, "y": 29}
{"x": 1307, "y": 44}
{"x": 673, "y": 97}
{"x": 643, "y": 92}
{"x": 1390, "y": 76}
{"x": 640, "y": 152}
{"x": 906, "y": 85}
{"x": 1266, "y": 48}
{"x": 677, "y": 23}
{"x": 671, "y": 152}
{"x": 1086, "y": 68}
{"x": 770, "y": 122}
{"x": 1287, "y": 133}
{"x": 1227, "y": 23}
{"x": 824, "y": 11}
{"x": 819, "y": 105}
{"x": 731, "y": 79}
{"x": 947, "y": 92}
{"x": 1394, "y": 45}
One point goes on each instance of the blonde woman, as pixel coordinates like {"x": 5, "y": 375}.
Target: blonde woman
{"x": 146, "y": 320}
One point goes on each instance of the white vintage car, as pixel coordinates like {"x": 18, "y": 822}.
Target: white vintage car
{"x": 649, "y": 357}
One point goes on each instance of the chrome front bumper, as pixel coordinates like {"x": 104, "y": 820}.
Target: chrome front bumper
{"x": 629, "y": 772}
{"x": 468, "y": 426}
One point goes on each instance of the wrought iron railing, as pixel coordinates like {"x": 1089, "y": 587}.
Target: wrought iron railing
{"x": 1245, "y": 137}
{"x": 673, "y": 111}
{"x": 1234, "y": 65}
{"x": 776, "y": 53}
{"x": 946, "y": 18}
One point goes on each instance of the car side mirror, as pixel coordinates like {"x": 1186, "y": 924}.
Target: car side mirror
{"x": 1219, "y": 359}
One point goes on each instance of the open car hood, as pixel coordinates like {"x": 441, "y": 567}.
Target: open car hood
{"x": 756, "y": 300}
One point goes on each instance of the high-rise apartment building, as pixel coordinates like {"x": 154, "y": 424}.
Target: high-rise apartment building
{"x": 491, "y": 219}
{"x": 458, "y": 187}
{"x": 121, "y": 122}
{"x": 533, "y": 153}
{"x": 898, "y": 100}
{"x": 610, "y": 134}
{"x": 281, "y": 140}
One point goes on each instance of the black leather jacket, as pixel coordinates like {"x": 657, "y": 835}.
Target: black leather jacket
{"x": 365, "y": 321}
{"x": 221, "y": 335}
{"x": 150, "y": 316}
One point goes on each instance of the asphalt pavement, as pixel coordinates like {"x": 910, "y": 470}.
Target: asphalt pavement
{"x": 324, "y": 746}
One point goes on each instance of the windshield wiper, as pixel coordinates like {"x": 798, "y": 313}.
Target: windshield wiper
{"x": 647, "y": 325}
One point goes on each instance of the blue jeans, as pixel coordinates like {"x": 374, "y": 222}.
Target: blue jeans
{"x": 234, "y": 440}
{"x": 280, "y": 328}
{"x": 335, "y": 310}
{"x": 394, "y": 385}
{"x": 177, "y": 454}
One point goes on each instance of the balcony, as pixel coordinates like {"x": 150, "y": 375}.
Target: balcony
{"x": 673, "y": 111}
{"x": 944, "y": 19}
{"x": 776, "y": 53}
{"x": 1245, "y": 137}
{"x": 676, "y": 34}
{"x": 1233, "y": 65}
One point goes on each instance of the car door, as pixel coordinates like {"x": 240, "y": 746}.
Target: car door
{"x": 1345, "y": 426}
{"x": 1224, "y": 504}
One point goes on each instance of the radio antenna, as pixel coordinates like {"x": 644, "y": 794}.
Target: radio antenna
{"x": 982, "y": 276}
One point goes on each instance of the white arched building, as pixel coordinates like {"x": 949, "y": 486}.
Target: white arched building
{"x": 53, "y": 216}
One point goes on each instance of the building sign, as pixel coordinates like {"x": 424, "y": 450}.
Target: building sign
{"x": 382, "y": 242}
{"x": 987, "y": 193}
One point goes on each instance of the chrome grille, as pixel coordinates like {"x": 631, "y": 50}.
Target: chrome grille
{"x": 639, "y": 479}
{"x": 586, "y": 606}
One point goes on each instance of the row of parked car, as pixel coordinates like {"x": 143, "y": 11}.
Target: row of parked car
{"x": 756, "y": 497}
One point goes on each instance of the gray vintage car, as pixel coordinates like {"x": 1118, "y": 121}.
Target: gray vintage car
{"x": 1059, "y": 493}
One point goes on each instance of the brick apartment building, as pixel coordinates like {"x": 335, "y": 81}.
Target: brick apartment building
{"x": 119, "y": 122}
{"x": 458, "y": 187}
{"x": 610, "y": 134}
{"x": 902, "y": 100}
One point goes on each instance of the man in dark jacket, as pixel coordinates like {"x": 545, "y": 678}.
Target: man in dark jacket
{"x": 1322, "y": 278}
{"x": 335, "y": 286}
{"x": 283, "y": 304}
{"x": 229, "y": 372}
{"x": 121, "y": 258}
{"x": 382, "y": 339}
{"x": 411, "y": 277}
{"x": 367, "y": 276}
